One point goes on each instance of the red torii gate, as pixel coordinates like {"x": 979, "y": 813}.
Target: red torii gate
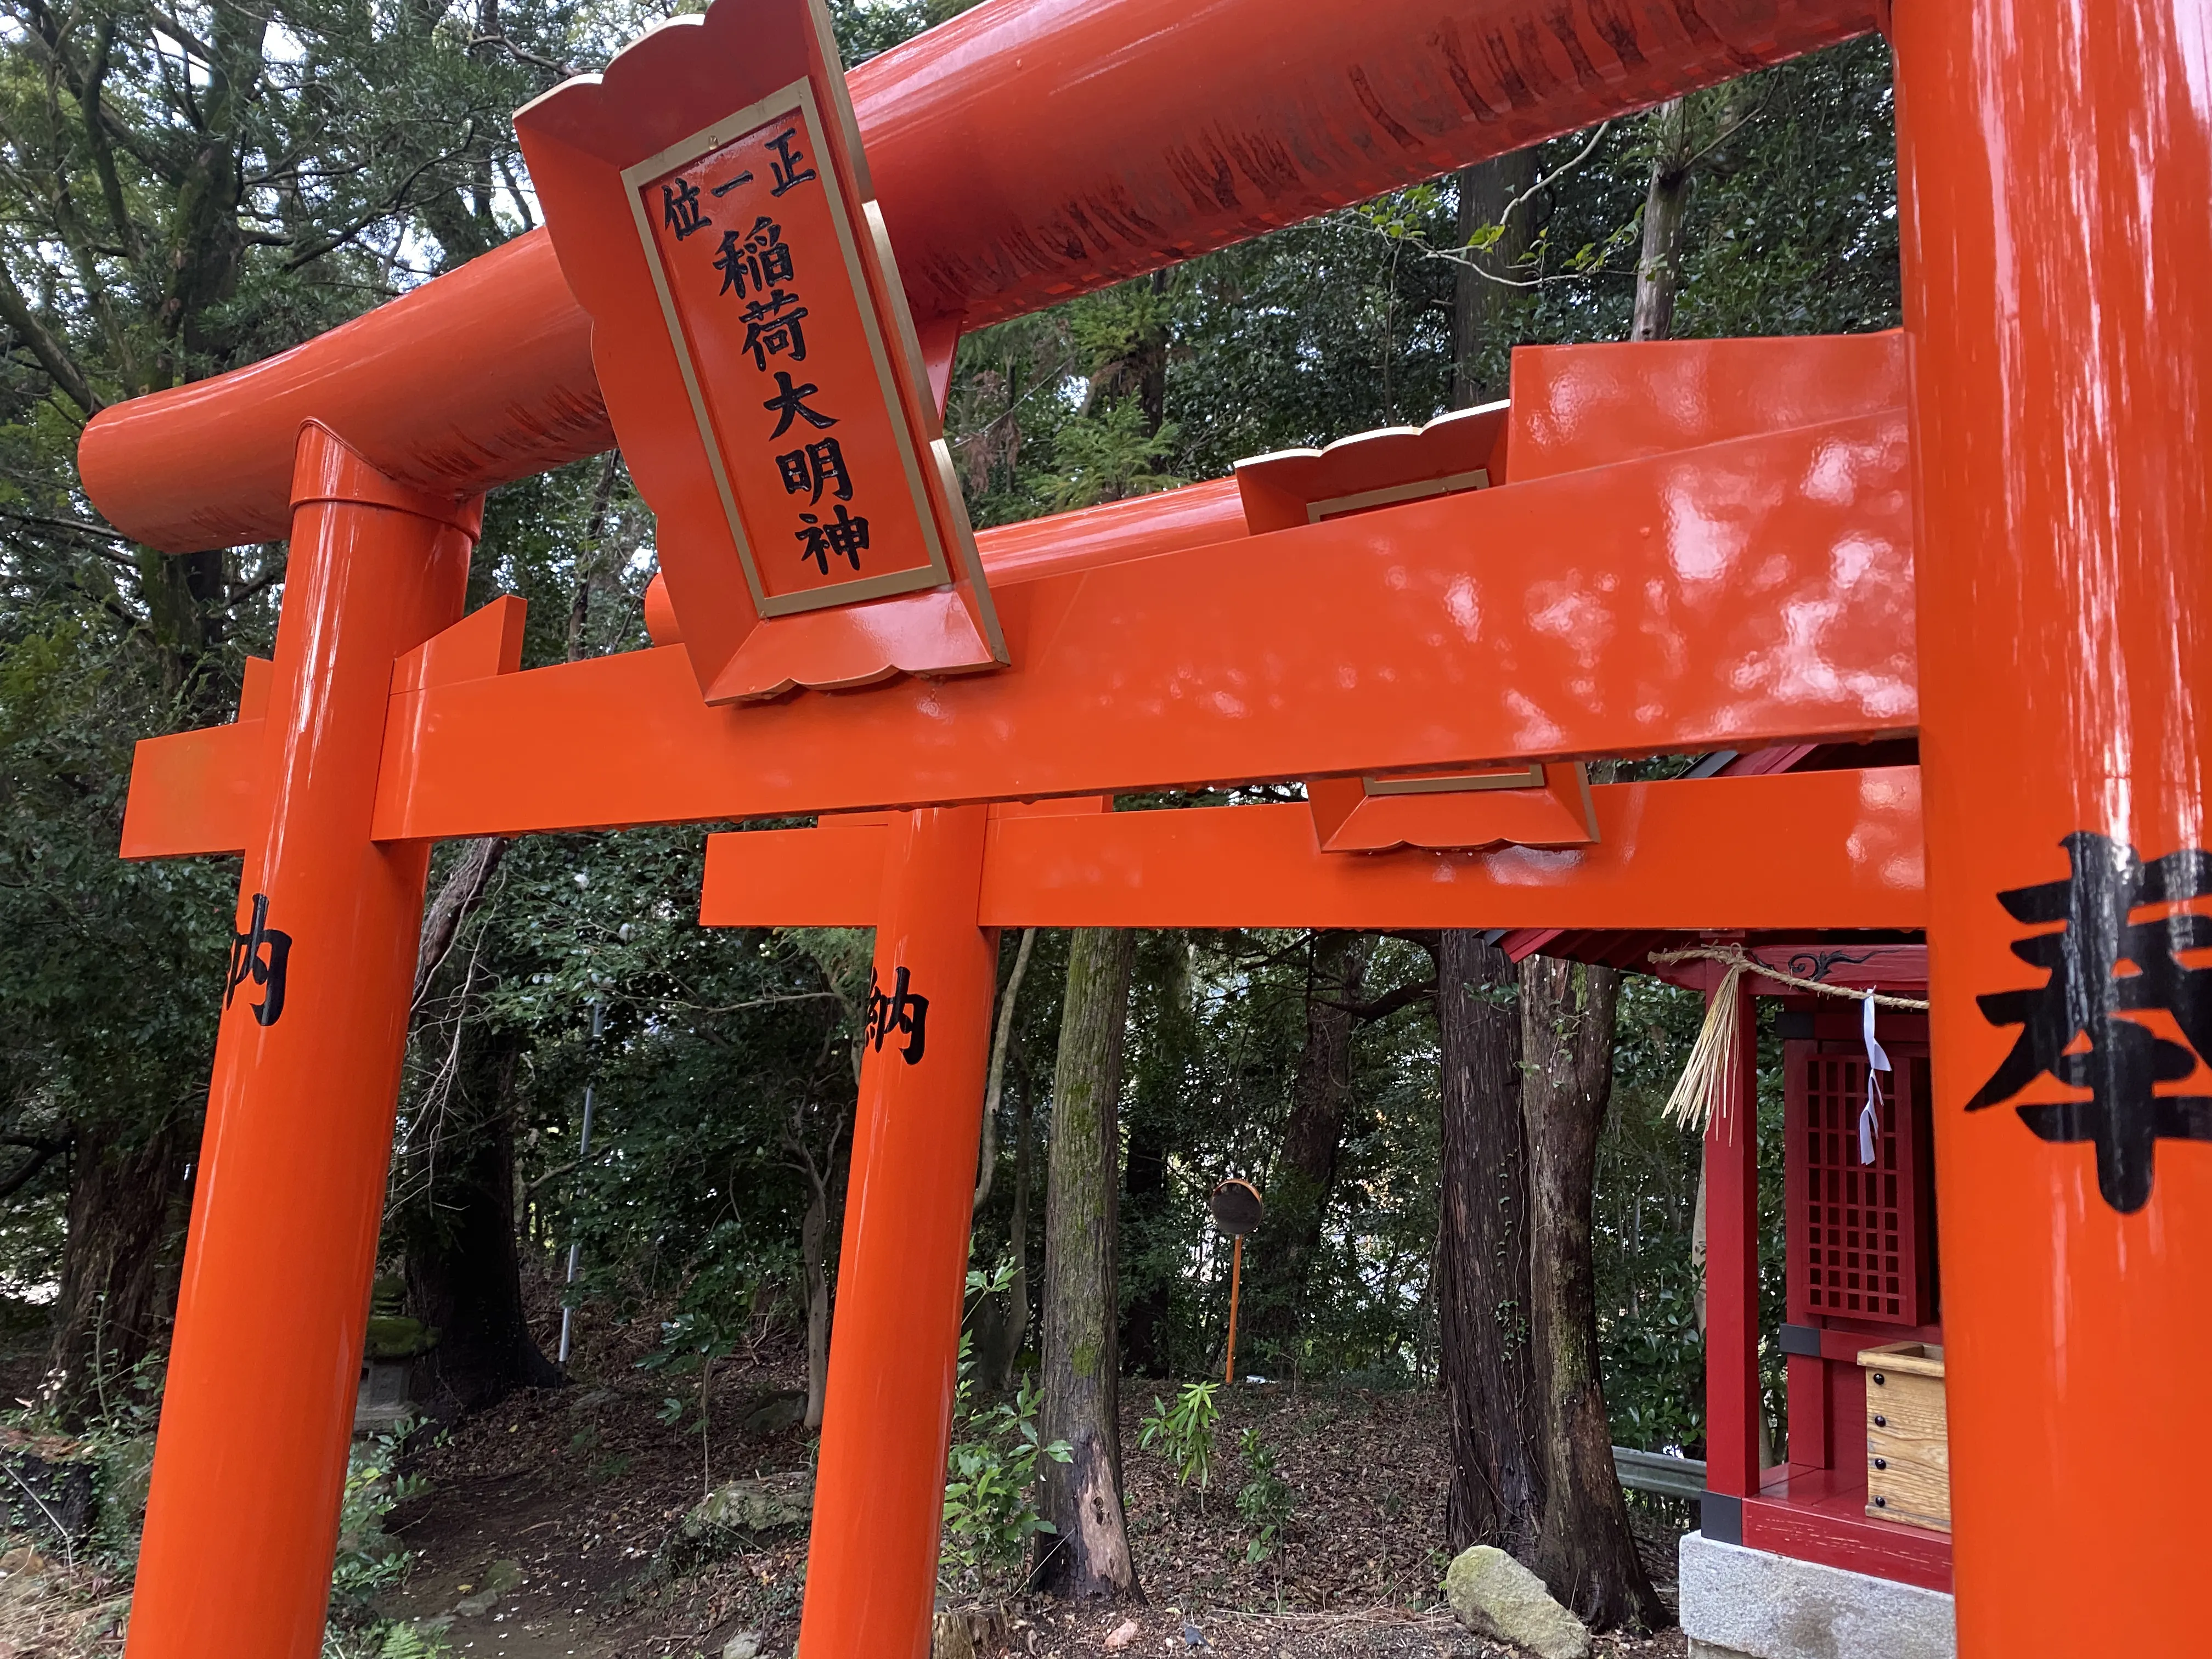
{"x": 1750, "y": 589}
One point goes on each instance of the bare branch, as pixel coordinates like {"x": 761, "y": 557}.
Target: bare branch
{"x": 184, "y": 37}
{"x": 267, "y": 579}
{"x": 98, "y": 140}
{"x": 523, "y": 54}
{"x": 44, "y": 521}
{"x": 1465, "y": 259}
{"x": 396, "y": 202}
{"x": 61, "y": 369}
{"x": 463, "y": 891}
{"x": 41, "y": 1151}
{"x": 1389, "y": 1002}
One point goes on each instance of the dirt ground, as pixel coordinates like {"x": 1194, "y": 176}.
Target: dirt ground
{"x": 581, "y": 1488}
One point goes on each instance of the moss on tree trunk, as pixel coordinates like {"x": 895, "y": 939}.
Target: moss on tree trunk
{"x": 1088, "y": 1554}
{"x": 1584, "y": 1551}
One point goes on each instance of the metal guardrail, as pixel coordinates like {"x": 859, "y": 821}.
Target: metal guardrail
{"x": 1662, "y": 1472}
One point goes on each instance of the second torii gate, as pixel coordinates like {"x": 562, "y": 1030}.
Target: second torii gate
{"x": 1835, "y": 850}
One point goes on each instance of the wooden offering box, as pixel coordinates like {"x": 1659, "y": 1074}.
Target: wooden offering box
{"x": 1908, "y": 1442}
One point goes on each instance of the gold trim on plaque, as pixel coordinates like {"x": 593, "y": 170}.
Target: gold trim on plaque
{"x": 1455, "y": 783}
{"x": 938, "y": 572}
{"x": 1476, "y": 479}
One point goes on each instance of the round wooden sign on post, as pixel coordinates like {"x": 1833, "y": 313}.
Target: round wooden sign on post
{"x": 1237, "y": 1208}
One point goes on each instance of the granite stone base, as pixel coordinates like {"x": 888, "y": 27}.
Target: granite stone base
{"x": 1739, "y": 1603}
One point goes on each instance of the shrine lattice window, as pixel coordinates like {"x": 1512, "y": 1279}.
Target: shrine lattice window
{"x": 1860, "y": 1247}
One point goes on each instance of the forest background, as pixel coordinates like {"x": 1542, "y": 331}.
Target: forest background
{"x": 185, "y": 190}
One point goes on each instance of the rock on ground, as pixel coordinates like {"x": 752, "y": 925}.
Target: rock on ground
{"x": 501, "y": 1577}
{"x": 734, "y": 1516}
{"x": 1495, "y": 1595}
{"x": 773, "y": 1505}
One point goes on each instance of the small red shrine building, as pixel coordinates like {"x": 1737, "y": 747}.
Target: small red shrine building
{"x": 1792, "y": 1558}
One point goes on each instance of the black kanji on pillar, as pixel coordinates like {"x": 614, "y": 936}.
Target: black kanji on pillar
{"x": 2088, "y": 996}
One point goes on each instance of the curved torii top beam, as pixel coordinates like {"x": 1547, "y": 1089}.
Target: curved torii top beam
{"x": 1027, "y": 151}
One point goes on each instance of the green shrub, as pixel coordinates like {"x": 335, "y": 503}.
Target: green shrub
{"x": 991, "y": 1474}
{"x": 1266, "y": 1500}
{"x": 1184, "y": 1431}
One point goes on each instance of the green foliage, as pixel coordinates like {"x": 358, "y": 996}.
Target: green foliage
{"x": 692, "y": 1341}
{"x": 990, "y": 1486}
{"x": 1265, "y": 1500}
{"x": 369, "y": 1560}
{"x": 721, "y": 1049}
{"x": 1652, "y": 1348}
{"x": 991, "y": 1472}
{"x": 1110, "y": 458}
{"x": 1184, "y": 1433}
{"x": 866, "y": 28}
{"x": 1791, "y": 226}
{"x": 1652, "y": 1352}
{"x": 1217, "y": 1023}
{"x": 115, "y": 1434}
{"x": 412, "y": 1641}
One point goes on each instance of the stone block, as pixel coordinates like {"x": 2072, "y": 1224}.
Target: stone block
{"x": 1741, "y": 1603}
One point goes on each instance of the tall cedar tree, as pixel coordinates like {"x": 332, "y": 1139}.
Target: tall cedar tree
{"x": 1583, "y": 1551}
{"x": 1488, "y": 1372}
{"x": 1304, "y": 1174}
{"x": 1087, "y": 1554}
{"x": 1533, "y": 1465}
{"x": 1496, "y": 1493}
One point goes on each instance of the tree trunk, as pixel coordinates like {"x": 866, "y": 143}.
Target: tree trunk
{"x": 1482, "y": 303}
{"x": 463, "y": 1270}
{"x": 994, "y": 1082}
{"x": 813, "y": 1253}
{"x": 1584, "y": 1551}
{"x": 1666, "y": 209}
{"x": 467, "y": 879}
{"x": 1495, "y": 1495}
{"x": 1144, "y": 1202}
{"x": 1089, "y": 1553}
{"x": 1016, "y": 1326}
{"x": 462, "y": 1275}
{"x": 814, "y": 1260}
{"x": 1283, "y": 1250}
{"x": 1152, "y": 1240}
{"x": 123, "y": 1205}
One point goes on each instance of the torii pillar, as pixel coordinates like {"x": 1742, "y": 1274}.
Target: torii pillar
{"x": 306, "y": 1075}
{"x": 893, "y": 1359}
{"x": 2054, "y": 166}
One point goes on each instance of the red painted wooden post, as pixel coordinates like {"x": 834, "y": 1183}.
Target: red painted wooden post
{"x": 880, "y": 1500}
{"x": 252, "y": 1457}
{"x": 2065, "y": 615}
{"x": 1732, "y": 1402}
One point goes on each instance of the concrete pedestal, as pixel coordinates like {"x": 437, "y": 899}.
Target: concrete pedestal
{"x": 1741, "y": 1603}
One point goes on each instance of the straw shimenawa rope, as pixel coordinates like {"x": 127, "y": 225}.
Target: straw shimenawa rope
{"x": 1702, "y": 1089}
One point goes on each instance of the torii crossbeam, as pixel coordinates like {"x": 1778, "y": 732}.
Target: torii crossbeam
{"x": 1651, "y": 567}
